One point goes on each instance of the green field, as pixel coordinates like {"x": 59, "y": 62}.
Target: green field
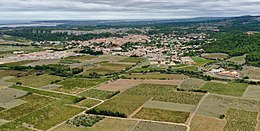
{"x": 240, "y": 120}
{"x": 88, "y": 103}
{"x": 46, "y": 117}
{"x": 36, "y": 81}
{"x": 133, "y": 59}
{"x": 192, "y": 83}
{"x": 156, "y": 76}
{"x": 201, "y": 61}
{"x": 122, "y": 105}
{"x": 166, "y": 93}
{"x": 4, "y": 73}
{"x": 76, "y": 85}
{"x": 99, "y": 94}
{"x": 81, "y": 58}
{"x": 68, "y": 98}
{"x": 187, "y": 68}
{"x": 233, "y": 89}
{"x": 162, "y": 115}
{"x": 19, "y": 63}
{"x": 33, "y": 103}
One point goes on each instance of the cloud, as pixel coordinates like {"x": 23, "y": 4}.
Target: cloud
{"x": 124, "y": 9}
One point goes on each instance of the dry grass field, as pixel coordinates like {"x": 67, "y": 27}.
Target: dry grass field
{"x": 214, "y": 106}
{"x": 153, "y": 126}
{"x": 88, "y": 103}
{"x": 4, "y": 73}
{"x": 169, "y": 106}
{"x": 43, "y": 62}
{"x": 124, "y": 84}
{"x": 251, "y": 72}
{"x": 252, "y": 92}
{"x": 238, "y": 59}
{"x": 162, "y": 115}
{"x": 204, "y": 123}
{"x": 192, "y": 83}
{"x": 99, "y": 94}
{"x": 219, "y": 56}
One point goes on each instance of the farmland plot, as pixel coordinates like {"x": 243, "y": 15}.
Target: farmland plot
{"x": 156, "y": 76}
{"x": 192, "y": 83}
{"x": 162, "y": 115}
{"x": 154, "y": 126}
{"x": 233, "y": 89}
{"x": 99, "y": 94}
{"x": 88, "y": 103}
{"x": 252, "y": 92}
{"x": 219, "y": 56}
{"x": 169, "y": 106}
{"x": 9, "y": 97}
{"x": 204, "y": 123}
{"x": 241, "y": 120}
{"x": 36, "y": 81}
{"x": 76, "y": 85}
{"x": 214, "y": 106}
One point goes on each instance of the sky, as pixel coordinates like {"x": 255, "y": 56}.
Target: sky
{"x": 124, "y": 9}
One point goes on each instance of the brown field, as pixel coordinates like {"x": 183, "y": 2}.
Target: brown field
{"x": 44, "y": 62}
{"x": 251, "y": 72}
{"x": 124, "y": 84}
{"x": 4, "y": 73}
{"x": 204, "y": 123}
{"x": 154, "y": 126}
{"x": 156, "y": 76}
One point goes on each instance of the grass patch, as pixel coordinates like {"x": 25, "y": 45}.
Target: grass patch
{"x": 238, "y": 59}
{"x": 36, "y": 81}
{"x": 201, "y": 61}
{"x": 156, "y": 76}
{"x": 75, "y": 85}
{"x": 162, "y": 115}
{"x": 240, "y": 120}
{"x": 233, "y": 89}
{"x": 88, "y": 103}
{"x": 33, "y": 103}
{"x": 68, "y": 61}
{"x": 166, "y": 93}
{"x": 99, "y": 94}
{"x": 81, "y": 58}
{"x": 252, "y": 92}
{"x": 133, "y": 59}
{"x": 192, "y": 83}
{"x": 121, "y": 105}
{"x": 4, "y": 73}
{"x": 187, "y": 68}
{"x": 69, "y": 98}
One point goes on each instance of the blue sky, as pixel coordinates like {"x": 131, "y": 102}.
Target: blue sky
{"x": 124, "y": 9}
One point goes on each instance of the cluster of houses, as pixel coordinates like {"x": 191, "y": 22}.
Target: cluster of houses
{"x": 225, "y": 73}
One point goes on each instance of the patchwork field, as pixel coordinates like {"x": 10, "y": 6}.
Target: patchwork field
{"x": 219, "y": 56}
{"x": 162, "y": 115}
{"x": 240, "y": 120}
{"x": 233, "y": 89}
{"x": 124, "y": 84}
{"x": 76, "y": 85}
{"x": 252, "y": 92}
{"x": 121, "y": 105}
{"x": 204, "y": 123}
{"x": 152, "y": 126}
{"x": 214, "y": 106}
{"x": 36, "y": 81}
{"x": 192, "y": 83}
{"x": 166, "y": 93}
{"x": 99, "y": 94}
{"x": 156, "y": 76}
